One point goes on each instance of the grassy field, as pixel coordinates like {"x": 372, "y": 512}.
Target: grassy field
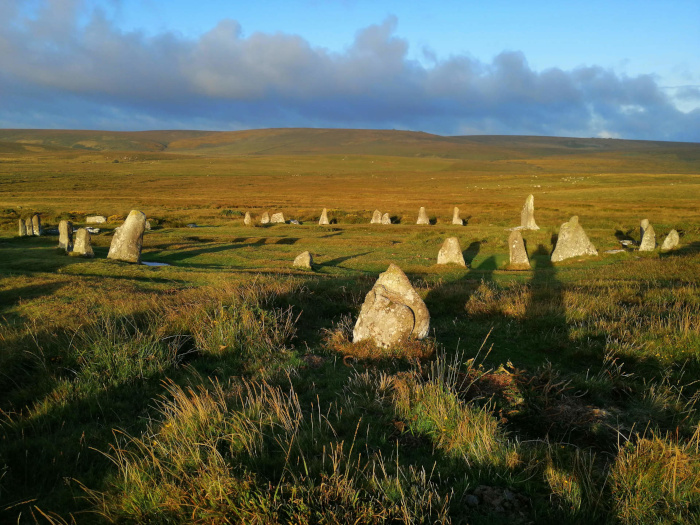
{"x": 224, "y": 388}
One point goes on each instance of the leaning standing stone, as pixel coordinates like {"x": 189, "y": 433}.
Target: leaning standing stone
{"x": 518, "y": 254}
{"x": 422, "y": 216}
{"x": 22, "y": 228}
{"x": 451, "y": 253}
{"x": 128, "y": 238}
{"x": 386, "y": 219}
{"x": 65, "y": 235}
{"x": 82, "y": 244}
{"x": 376, "y": 217}
{"x": 324, "y": 218}
{"x": 36, "y": 225}
{"x": 304, "y": 260}
{"x": 648, "y": 243}
{"x": 527, "y": 215}
{"x": 277, "y": 218}
{"x": 455, "y": 217}
{"x": 265, "y": 219}
{"x": 572, "y": 242}
{"x": 392, "y": 311}
{"x": 247, "y": 220}
{"x": 671, "y": 241}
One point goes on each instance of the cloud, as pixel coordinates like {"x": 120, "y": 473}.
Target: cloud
{"x": 68, "y": 64}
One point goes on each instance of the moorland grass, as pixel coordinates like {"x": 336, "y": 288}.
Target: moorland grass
{"x": 224, "y": 387}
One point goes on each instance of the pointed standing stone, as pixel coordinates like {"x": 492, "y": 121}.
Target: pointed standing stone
{"x": 572, "y": 242}
{"x": 128, "y": 238}
{"x": 643, "y": 225}
{"x": 277, "y": 218}
{"x": 36, "y": 225}
{"x": 451, "y": 252}
{"x": 376, "y": 217}
{"x": 82, "y": 244}
{"x": 455, "y": 217}
{"x": 422, "y": 216}
{"x": 671, "y": 241}
{"x": 392, "y": 311}
{"x": 518, "y": 254}
{"x": 527, "y": 215}
{"x": 324, "y": 218}
{"x": 386, "y": 219}
{"x": 265, "y": 218}
{"x": 304, "y": 260}
{"x": 65, "y": 235}
{"x": 648, "y": 243}
{"x": 22, "y": 228}
{"x": 247, "y": 220}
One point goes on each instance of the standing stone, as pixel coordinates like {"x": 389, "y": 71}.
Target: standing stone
{"x": 65, "y": 235}
{"x": 82, "y": 244}
{"x": 148, "y": 226}
{"x": 648, "y": 243}
{"x": 527, "y": 215}
{"x": 422, "y": 216}
{"x": 518, "y": 254}
{"x": 265, "y": 219}
{"x": 36, "y": 225}
{"x": 451, "y": 252}
{"x": 22, "y": 228}
{"x": 277, "y": 218}
{"x": 376, "y": 217}
{"x": 643, "y": 225}
{"x": 95, "y": 219}
{"x": 324, "y": 218}
{"x": 28, "y": 226}
{"x": 455, "y": 217}
{"x": 572, "y": 242}
{"x": 247, "y": 220}
{"x": 392, "y": 311}
{"x": 386, "y": 219}
{"x": 304, "y": 260}
{"x": 128, "y": 238}
{"x": 671, "y": 241}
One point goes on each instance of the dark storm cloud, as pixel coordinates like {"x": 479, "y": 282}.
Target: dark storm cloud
{"x": 61, "y": 68}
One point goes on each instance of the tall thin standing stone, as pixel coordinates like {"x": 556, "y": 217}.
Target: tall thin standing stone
{"x": 28, "y": 226}
{"x": 65, "y": 235}
{"x": 671, "y": 241}
{"x": 247, "y": 220}
{"x": 527, "y": 215}
{"x": 422, "y": 216}
{"x": 376, "y": 217}
{"x": 22, "y": 228}
{"x": 36, "y": 225}
{"x": 386, "y": 219}
{"x": 455, "y": 217}
{"x": 518, "y": 254}
{"x": 82, "y": 243}
{"x": 128, "y": 238}
{"x": 324, "y": 218}
{"x": 648, "y": 243}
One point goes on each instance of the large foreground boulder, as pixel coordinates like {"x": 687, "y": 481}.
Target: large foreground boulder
{"x": 392, "y": 311}
{"x": 455, "y": 217}
{"x": 376, "y": 217}
{"x": 451, "y": 252}
{"x": 518, "y": 254}
{"x": 128, "y": 238}
{"x": 572, "y": 242}
{"x": 304, "y": 260}
{"x": 324, "y": 218}
{"x": 422, "y": 216}
{"x": 527, "y": 215}
{"x": 648, "y": 243}
{"x": 65, "y": 235}
{"x": 82, "y": 244}
{"x": 671, "y": 241}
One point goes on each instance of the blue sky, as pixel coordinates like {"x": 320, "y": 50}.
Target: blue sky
{"x": 609, "y": 69}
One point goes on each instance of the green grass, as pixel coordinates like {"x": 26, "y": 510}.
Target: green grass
{"x": 225, "y": 388}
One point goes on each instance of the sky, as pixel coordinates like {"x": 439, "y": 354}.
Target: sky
{"x": 611, "y": 69}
